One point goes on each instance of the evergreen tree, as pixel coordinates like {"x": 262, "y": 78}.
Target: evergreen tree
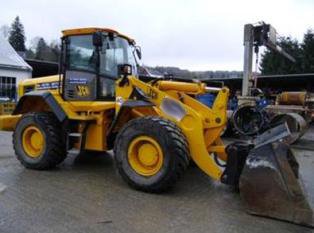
{"x": 54, "y": 51}
{"x": 17, "y": 35}
{"x": 307, "y": 48}
{"x": 42, "y": 50}
{"x": 274, "y": 63}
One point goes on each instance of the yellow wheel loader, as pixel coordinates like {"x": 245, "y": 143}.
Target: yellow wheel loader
{"x": 98, "y": 103}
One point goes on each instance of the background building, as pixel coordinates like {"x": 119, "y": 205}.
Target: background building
{"x": 13, "y": 69}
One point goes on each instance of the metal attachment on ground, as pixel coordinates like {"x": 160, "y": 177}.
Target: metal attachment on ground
{"x": 270, "y": 184}
{"x": 237, "y": 153}
{"x": 248, "y": 120}
{"x": 295, "y": 123}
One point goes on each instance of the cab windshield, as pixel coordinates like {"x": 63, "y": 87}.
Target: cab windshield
{"x": 83, "y": 55}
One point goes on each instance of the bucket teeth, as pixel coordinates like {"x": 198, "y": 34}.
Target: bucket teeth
{"x": 270, "y": 185}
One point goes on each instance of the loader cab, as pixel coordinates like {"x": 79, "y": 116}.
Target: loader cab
{"x": 89, "y": 63}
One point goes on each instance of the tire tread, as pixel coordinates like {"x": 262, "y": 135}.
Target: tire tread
{"x": 56, "y": 153}
{"x": 180, "y": 149}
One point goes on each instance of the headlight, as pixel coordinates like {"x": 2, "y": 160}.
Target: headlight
{"x": 172, "y": 108}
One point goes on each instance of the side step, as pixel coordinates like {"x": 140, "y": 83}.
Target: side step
{"x": 75, "y": 143}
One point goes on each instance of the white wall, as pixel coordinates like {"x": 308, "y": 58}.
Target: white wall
{"x": 18, "y": 74}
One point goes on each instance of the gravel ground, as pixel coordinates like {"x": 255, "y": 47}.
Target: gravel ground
{"x": 85, "y": 194}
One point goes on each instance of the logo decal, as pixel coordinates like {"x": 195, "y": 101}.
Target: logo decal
{"x": 82, "y": 90}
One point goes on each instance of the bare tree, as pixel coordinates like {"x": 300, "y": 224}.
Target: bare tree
{"x": 5, "y": 31}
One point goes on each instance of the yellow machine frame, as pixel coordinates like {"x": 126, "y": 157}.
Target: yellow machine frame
{"x": 201, "y": 125}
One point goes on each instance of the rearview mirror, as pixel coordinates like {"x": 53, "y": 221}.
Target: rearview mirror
{"x": 97, "y": 39}
{"x": 138, "y": 52}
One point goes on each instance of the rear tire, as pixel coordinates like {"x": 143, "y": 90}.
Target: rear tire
{"x": 38, "y": 142}
{"x": 163, "y": 135}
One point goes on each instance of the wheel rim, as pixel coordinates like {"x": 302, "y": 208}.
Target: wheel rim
{"x": 145, "y": 156}
{"x": 33, "y": 141}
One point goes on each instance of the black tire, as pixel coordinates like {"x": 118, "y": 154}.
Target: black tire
{"x": 54, "y": 151}
{"x": 174, "y": 147}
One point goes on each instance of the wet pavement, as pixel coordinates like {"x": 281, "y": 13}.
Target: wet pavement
{"x": 85, "y": 194}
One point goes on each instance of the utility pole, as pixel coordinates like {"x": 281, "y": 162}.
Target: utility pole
{"x": 248, "y": 57}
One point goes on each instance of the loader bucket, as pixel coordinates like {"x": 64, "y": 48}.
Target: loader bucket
{"x": 270, "y": 184}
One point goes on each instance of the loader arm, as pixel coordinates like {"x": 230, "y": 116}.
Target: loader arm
{"x": 200, "y": 124}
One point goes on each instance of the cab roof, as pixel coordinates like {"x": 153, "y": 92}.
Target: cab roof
{"x": 90, "y": 30}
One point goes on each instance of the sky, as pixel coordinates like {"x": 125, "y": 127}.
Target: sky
{"x": 190, "y": 34}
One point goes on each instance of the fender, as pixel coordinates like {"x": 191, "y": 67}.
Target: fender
{"x": 126, "y": 106}
{"x": 37, "y": 101}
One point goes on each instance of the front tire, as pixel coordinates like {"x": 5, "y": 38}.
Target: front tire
{"x": 151, "y": 154}
{"x": 38, "y": 141}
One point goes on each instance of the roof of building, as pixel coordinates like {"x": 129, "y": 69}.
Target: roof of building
{"x": 287, "y": 75}
{"x": 288, "y": 82}
{"x": 43, "y": 68}
{"x": 9, "y": 58}
{"x": 273, "y": 76}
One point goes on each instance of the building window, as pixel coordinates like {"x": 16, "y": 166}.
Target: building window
{"x": 8, "y": 88}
